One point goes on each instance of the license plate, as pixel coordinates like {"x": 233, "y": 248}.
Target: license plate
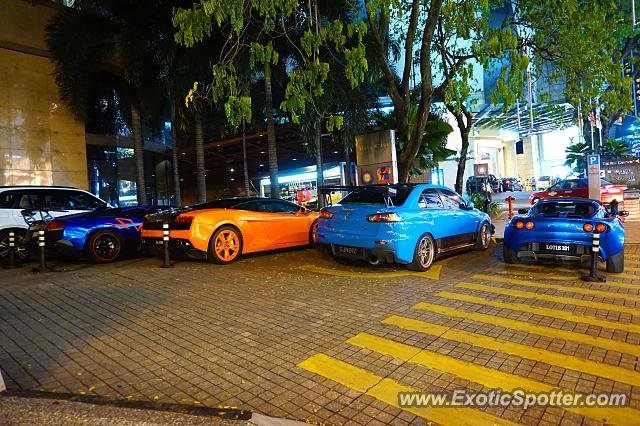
{"x": 159, "y": 242}
{"x": 349, "y": 251}
{"x": 557, "y": 248}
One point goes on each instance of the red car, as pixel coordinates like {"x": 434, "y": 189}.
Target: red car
{"x": 578, "y": 188}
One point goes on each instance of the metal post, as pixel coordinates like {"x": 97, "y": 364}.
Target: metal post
{"x": 12, "y": 251}
{"x": 595, "y": 253}
{"x": 41, "y": 243}
{"x": 165, "y": 246}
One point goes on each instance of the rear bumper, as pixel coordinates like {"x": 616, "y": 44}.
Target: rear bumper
{"x": 398, "y": 250}
{"x": 178, "y": 247}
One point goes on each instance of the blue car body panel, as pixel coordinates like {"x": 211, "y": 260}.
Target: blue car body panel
{"x": 127, "y": 221}
{"x": 349, "y": 226}
{"x": 566, "y": 230}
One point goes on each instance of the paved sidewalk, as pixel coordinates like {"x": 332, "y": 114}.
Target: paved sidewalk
{"x": 297, "y": 335}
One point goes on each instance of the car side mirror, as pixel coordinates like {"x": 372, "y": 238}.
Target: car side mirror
{"x": 523, "y": 211}
{"x": 468, "y": 206}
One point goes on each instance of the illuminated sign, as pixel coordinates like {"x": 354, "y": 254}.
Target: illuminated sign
{"x": 302, "y": 177}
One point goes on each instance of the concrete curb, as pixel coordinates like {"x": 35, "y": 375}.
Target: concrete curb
{"x": 3, "y": 386}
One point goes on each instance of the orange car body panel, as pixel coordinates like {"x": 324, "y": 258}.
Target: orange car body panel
{"x": 261, "y": 231}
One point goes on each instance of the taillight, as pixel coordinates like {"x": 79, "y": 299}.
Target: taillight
{"x": 601, "y": 227}
{"x": 325, "y": 214}
{"x": 529, "y": 225}
{"x": 185, "y": 220}
{"x": 587, "y": 227}
{"x": 55, "y": 225}
{"x": 384, "y": 217}
{"x": 520, "y": 225}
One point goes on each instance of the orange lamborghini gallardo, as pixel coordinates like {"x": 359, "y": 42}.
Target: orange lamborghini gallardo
{"x": 223, "y": 230}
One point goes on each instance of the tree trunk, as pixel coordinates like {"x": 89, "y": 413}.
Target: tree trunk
{"x": 462, "y": 161}
{"x": 347, "y": 166}
{"x": 200, "y": 170}
{"x": 174, "y": 158}
{"x": 319, "y": 166}
{"x": 138, "y": 153}
{"x": 271, "y": 133}
{"x": 408, "y": 156}
{"x": 244, "y": 159}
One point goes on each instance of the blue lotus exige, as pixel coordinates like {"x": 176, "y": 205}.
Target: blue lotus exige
{"x": 562, "y": 229}
{"x": 102, "y": 235}
{"x": 405, "y": 223}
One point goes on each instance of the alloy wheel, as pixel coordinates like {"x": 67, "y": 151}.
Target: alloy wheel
{"x": 106, "y": 247}
{"x": 425, "y": 252}
{"x": 21, "y": 250}
{"x": 227, "y": 245}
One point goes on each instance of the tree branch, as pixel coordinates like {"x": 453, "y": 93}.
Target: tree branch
{"x": 408, "y": 46}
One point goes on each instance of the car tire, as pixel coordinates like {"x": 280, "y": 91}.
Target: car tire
{"x": 615, "y": 263}
{"x": 424, "y": 253}
{"x": 104, "y": 246}
{"x": 225, "y": 245}
{"x": 23, "y": 251}
{"x": 483, "y": 238}
{"x": 509, "y": 255}
{"x": 313, "y": 231}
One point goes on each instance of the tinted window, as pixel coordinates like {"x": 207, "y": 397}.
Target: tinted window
{"x": 26, "y": 200}
{"x": 430, "y": 199}
{"x": 69, "y": 200}
{"x": 377, "y": 196}
{"x": 279, "y": 207}
{"x": 451, "y": 199}
{"x": 571, "y": 184}
{"x": 563, "y": 209}
{"x": 7, "y": 199}
{"x": 251, "y": 206}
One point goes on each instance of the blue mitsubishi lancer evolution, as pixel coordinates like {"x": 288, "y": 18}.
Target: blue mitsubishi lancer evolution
{"x": 410, "y": 224}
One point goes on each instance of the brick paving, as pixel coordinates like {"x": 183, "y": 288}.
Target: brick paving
{"x": 234, "y": 335}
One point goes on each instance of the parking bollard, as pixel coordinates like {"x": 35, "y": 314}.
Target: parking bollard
{"x": 595, "y": 252}
{"x": 165, "y": 245}
{"x": 12, "y": 251}
{"x": 43, "y": 263}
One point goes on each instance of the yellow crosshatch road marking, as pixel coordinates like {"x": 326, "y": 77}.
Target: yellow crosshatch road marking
{"x": 534, "y": 274}
{"x": 488, "y": 377}
{"x": 632, "y": 268}
{"x": 510, "y": 324}
{"x": 625, "y": 276}
{"x": 578, "y": 290}
{"x": 546, "y": 267}
{"x": 433, "y": 273}
{"x": 387, "y": 390}
{"x": 547, "y": 312}
{"x": 542, "y": 355}
{"x": 549, "y": 298}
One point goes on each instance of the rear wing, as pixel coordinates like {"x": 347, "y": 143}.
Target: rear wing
{"x": 387, "y": 191}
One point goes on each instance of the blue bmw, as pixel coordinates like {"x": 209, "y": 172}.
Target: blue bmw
{"x": 102, "y": 235}
{"x": 410, "y": 224}
{"x": 562, "y": 229}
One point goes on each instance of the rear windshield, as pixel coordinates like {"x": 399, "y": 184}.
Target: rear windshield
{"x": 374, "y": 196}
{"x": 564, "y": 209}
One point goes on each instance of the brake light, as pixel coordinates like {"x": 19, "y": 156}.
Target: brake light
{"x": 384, "y": 217}
{"x": 587, "y": 227}
{"x": 184, "y": 219}
{"x": 520, "y": 225}
{"x": 529, "y": 225}
{"x": 325, "y": 214}
{"x": 55, "y": 225}
{"x": 601, "y": 227}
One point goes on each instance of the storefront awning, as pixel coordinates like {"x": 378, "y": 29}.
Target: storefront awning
{"x": 546, "y": 118}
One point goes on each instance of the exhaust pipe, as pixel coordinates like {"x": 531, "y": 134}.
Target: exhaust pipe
{"x": 374, "y": 260}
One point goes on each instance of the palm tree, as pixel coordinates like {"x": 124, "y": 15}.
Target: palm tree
{"x": 576, "y": 156}
{"x": 614, "y": 149}
{"x": 100, "y": 34}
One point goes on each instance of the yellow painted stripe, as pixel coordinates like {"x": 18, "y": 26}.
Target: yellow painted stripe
{"x": 571, "y": 289}
{"x": 487, "y": 377}
{"x": 545, "y": 267}
{"x": 387, "y": 390}
{"x": 632, "y": 269}
{"x": 433, "y": 273}
{"x": 549, "y": 298}
{"x": 581, "y": 338}
{"x": 542, "y": 355}
{"x": 632, "y": 255}
{"x": 623, "y": 275}
{"x": 547, "y": 312}
{"x": 534, "y": 274}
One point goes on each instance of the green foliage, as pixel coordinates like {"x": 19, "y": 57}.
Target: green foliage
{"x": 613, "y": 149}
{"x": 478, "y": 202}
{"x": 238, "y": 20}
{"x": 576, "y": 156}
{"x": 433, "y": 143}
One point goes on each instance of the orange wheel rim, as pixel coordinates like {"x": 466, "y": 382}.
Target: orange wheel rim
{"x": 227, "y": 245}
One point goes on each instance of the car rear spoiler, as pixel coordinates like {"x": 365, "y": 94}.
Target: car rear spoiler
{"x": 387, "y": 191}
